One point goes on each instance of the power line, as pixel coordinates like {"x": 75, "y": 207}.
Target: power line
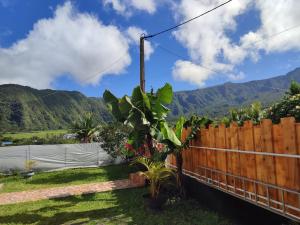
{"x": 185, "y": 22}
{"x": 184, "y": 58}
{"x": 176, "y": 54}
{"x": 275, "y": 34}
{"x": 267, "y": 38}
{"x": 107, "y": 68}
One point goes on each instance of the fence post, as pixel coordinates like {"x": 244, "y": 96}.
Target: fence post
{"x": 65, "y": 157}
{"x": 29, "y": 154}
{"x": 98, "y": 153}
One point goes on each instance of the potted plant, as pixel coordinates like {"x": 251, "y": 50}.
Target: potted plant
{"x": 29, "y": 165}
{"x": 157, "y": 176}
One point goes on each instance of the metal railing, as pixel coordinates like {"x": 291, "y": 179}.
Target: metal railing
{"x": 238, "y": 188}
{"x": 248, "y": 152}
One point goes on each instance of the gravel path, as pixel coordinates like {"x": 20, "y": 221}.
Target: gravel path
{"x": 58, "y": 192}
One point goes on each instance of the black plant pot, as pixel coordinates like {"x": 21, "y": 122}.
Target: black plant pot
{"x": 28, "y": 174}
{"x": 155, "y": 204}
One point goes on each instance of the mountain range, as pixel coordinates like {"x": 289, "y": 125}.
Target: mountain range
{"x": 26, "y": 108}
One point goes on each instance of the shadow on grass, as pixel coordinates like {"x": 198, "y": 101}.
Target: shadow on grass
{"x": 100, "y": 174}
{"x": 103, "y": 207}
{"x": 65, "y": 178}
{"x": 115, "y": 207}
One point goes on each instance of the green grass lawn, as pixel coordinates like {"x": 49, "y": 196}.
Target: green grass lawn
{"x": 115, "y": 207}
{"x": 66, "y": 177}
{"x": 40, "y": 134}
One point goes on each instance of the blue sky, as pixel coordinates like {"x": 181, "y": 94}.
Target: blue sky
{"x": 71, "y": 45}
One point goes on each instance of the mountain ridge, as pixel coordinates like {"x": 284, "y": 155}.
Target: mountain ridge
{"x": 26, "y": 108}
{"x": 217, "y": 100}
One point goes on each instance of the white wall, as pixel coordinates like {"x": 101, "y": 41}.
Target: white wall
{"x": 49, "y": 157}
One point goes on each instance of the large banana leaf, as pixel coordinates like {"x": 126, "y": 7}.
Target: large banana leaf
{"x": 165, "y": 94}
{"x": 125, "y": 106}
{"x": 113, "y": 105}
{"x": 140, "y": 99}
{"x": 179, "y": 127}
{"x": 137, "y": 118}
{"x": 169, "y": 134}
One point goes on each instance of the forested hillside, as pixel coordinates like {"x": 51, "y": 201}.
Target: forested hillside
{"x": 25, "y": 108}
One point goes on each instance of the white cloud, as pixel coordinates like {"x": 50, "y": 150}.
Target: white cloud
{"x": 205, "y": 38}
{"x": 208, "y": 43}
{"x": 69, "y": 43}
{"x": 190, "y": 72}
{"x": 236, "y": 76}
{"x": 134, "y": 34}
{"x": 275, "y": 18}
{"x": 126, "y": 7}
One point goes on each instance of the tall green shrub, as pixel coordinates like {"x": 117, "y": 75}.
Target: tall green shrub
{"x": 113, "y": 137}
{"x": 288, "y": 106}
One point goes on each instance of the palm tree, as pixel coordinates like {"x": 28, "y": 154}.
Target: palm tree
{"x": 85, "y": 128}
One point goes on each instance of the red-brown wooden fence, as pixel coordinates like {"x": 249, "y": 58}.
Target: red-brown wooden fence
{"x": 259, "y": 163}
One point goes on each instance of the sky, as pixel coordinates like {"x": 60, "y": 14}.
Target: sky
{"x": 93, "y": 45}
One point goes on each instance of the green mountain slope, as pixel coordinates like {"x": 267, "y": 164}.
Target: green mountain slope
{"x": 25, "y": 108}
{"x": 216, "y": 101}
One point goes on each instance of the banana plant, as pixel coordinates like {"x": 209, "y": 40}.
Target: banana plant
{"x": 194, "y": 123}
{"x": 146, "y": 114}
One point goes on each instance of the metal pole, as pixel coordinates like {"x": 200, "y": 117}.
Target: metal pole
{"x": 142, "y": 64}
{"x": 98, "y": 157}
{"x": 29, "y": 153}
{"x": 65, "y": 157}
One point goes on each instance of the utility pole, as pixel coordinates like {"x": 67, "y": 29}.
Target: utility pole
{"x": 142, "y": 63}
{"x": 143, "y": 37}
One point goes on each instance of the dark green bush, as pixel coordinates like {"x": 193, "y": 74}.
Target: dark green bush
{"x": 112, "y": 138}
{"x": 288, "y": 106}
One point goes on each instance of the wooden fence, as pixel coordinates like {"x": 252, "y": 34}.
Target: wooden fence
{"x": 259, "y": 163}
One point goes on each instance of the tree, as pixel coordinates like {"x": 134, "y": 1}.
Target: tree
{"x": 146, "y": 114}
{"x": 85, "y": 128}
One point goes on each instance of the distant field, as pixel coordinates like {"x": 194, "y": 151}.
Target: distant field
{"x": 40, "y": 134}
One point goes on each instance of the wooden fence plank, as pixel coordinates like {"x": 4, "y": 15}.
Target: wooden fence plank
{"x": 198, "y": 151}
{"x": 265, "y": 165}
{"x": 248, "y": 160}
{"x": 229, "y": 163}
{"x": 211, "y": 154}
{"x": 259, "y": 159}
{"x": 221, "y": 157}
{"x": 235, "y": 157}
{"x": 287, "y": 167}
{"x": 203, "y": 152}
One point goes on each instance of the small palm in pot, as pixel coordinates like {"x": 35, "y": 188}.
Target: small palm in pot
{"x": 29, "y": 165}
{"x": 157, "y": 175}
